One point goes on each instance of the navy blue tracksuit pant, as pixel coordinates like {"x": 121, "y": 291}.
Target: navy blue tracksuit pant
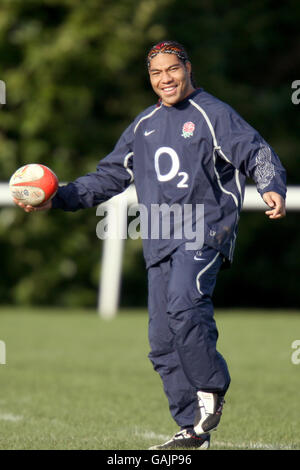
{"x": 182, "y": 329}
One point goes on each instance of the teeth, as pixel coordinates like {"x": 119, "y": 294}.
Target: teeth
{"x": 169, "y": 89}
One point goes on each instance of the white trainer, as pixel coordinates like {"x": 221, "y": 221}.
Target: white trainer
{"x": 209, "y": 411}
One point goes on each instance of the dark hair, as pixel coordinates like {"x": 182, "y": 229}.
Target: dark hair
{"x": 170, "y": 47}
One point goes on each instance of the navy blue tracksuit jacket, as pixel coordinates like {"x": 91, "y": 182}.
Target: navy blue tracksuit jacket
{"x": 199, "y": 151}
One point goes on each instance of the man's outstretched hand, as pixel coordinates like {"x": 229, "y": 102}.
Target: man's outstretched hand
{"x": 276, "y": 204}
{"x": 42, "y": 207}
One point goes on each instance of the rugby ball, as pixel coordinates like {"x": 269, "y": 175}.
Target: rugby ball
{"x": 33, "y": 184}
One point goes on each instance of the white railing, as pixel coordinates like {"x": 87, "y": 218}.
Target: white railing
{"x": 111, "y": 265}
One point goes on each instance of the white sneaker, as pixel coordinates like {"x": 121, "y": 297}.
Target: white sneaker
{"x": 185, "y": 439}
{"x": 209, "y": 412}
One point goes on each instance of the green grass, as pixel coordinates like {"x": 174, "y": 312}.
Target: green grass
{"x": 74, "y": 381}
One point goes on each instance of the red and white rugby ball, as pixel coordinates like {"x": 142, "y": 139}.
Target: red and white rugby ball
{"x": 33, "y": 184}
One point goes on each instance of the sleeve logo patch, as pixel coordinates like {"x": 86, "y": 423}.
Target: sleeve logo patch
{"x": 265, "y": 170}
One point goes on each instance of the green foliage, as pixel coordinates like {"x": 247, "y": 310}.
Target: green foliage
{"x": 76, "y": 77}
{"x": 72, "y": 88}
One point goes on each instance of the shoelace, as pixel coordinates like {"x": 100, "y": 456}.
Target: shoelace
{"x": 182, "y": 433}
{"x": 186, "y": 435}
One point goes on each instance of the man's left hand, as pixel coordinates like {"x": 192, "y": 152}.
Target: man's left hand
{"x": 276, "y": 204}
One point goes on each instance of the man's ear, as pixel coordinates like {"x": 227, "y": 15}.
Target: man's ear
{"x": 188, "y": 66}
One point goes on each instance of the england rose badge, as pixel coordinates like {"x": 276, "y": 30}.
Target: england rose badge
{"x": 188, "y": 129}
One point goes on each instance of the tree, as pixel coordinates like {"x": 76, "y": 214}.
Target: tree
{"x": 76, "y": 77}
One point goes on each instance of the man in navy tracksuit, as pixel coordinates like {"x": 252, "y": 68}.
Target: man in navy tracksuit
{"x": 189, "y": 149}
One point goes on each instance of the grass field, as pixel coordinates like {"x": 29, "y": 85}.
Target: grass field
{"x": 74, "y": 381}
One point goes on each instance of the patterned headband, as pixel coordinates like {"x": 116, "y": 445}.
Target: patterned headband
{"x": 167, "y": 47}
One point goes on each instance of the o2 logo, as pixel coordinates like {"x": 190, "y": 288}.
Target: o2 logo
{"x": 172, "y": 156}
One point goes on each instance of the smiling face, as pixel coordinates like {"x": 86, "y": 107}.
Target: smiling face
{"x": 170, "y": 78}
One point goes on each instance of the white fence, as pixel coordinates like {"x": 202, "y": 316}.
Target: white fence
{"x": 111, "y": 265}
